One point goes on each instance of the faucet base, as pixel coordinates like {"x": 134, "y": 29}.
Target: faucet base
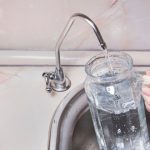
{"x": 60, "y": 87}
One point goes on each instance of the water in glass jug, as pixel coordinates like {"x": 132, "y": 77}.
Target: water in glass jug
{"x": 113, "y": 89}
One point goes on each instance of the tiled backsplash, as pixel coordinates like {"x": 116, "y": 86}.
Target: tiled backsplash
{"x": 37, "y": 24}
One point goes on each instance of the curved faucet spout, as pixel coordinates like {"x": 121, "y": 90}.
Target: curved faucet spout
{"x": 67, "y": 29}
{"x": 60, "y": 82}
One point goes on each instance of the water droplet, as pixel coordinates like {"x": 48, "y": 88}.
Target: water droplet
{"x": 133, "y": 128}
{"x": 119, "y": 131}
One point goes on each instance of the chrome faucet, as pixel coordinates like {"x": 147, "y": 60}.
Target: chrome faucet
{"x": 57, "y": 80}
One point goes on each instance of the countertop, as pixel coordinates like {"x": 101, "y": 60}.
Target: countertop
{"x": 26, "y": 108}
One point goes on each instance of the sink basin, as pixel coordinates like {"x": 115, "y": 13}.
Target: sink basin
{"x": 84, "y": 136}
{"x": 71, "y": 127}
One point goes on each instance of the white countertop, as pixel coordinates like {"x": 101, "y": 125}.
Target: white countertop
{"x": 26, "y": 108}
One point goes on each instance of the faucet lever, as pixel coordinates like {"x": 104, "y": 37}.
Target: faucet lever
{"x": 57, "y": 80}
{"x": 52, "y": 78}
{"x": 48, "y": 76}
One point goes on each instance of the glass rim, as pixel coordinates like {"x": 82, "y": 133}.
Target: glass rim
{"x": 125, "y": 56}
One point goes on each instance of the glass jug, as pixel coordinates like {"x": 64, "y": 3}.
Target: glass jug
{"x": 115, "y": 102}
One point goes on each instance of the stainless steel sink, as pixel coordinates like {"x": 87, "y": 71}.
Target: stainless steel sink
{"x": 84, "y": 136}
{"x": 71, "y": 127}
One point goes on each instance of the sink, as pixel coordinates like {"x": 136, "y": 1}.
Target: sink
{"x": 84, "y": 136}
{"x": 71, "y": 127}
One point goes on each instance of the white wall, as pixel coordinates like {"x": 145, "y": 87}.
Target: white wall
{"x": 36, "y": 24}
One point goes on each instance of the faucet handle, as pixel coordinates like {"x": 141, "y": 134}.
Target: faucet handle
{"x": 48, "y": 76}
{"x": 53, "y": 82}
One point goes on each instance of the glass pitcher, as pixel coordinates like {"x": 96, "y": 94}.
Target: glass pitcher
{"x": 115, "y": 102}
